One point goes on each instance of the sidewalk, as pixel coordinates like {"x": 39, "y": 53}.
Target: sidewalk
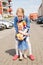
{"x": 7, "y": 48}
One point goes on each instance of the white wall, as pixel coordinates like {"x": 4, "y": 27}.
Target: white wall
{"x": 40, "y": 10}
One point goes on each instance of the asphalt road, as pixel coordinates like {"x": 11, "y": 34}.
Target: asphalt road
{"x": 7, "y": 46}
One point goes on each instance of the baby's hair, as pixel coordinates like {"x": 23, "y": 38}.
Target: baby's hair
{"x": 19, "y": 22}
{"x": 20, "y": 9}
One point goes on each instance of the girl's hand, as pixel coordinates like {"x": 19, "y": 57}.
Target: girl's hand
{"x": 27, "y": 34}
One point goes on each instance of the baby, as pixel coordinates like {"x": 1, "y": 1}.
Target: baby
{"x": 21, "y": 29}
{"x": 22, "y": 42}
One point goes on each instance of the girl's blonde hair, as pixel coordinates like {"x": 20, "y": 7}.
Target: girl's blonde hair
{"x": 21, "y": 10}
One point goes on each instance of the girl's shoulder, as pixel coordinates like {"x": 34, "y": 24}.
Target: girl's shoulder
{"x": 26, "y": 17}
{"x": 15, "y": 18}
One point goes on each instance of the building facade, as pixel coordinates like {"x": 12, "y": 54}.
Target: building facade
{"x": 5, "y": 7}
{"x": 40, "y": 10}
{"x": 0, "y": 7}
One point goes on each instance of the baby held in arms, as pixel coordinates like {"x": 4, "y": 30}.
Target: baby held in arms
{"x": 22, "y": 30}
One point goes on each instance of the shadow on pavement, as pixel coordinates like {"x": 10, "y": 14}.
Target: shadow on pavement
{"x": 11, "y": 52}
{"x": 41, "y": 26}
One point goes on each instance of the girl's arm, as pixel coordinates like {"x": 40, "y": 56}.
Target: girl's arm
{"x": 28, "y": 22}
{"x": 23, "y": 33}
{"x": 15, "y": 24}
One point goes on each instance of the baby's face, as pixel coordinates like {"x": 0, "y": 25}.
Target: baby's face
{"x": 20, "y": 26}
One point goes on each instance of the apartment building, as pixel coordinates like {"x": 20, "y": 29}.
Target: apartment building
{"x": 0, "y": 7}
{"x": 5, "y": 7}
{"x": 40, "y": 10}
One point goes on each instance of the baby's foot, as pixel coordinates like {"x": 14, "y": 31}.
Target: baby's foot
{"x": 25, "y": 56}
{"x": 21, "y": 58}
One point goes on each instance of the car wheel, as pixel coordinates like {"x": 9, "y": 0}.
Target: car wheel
{"x": 37, "y": 22}
{"x": 42, "y": 22}
{"x": 5, "y": 26}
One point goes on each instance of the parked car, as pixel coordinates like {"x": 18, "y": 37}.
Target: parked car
{"x": 12, "y": 22}
{"x": 40, "y": 20}
{"x": 6, "y": 23}
{"x": 0, "y": 17}
{"x": 2, "y": 27}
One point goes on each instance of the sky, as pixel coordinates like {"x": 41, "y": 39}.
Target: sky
{"x": 29, "y": 6}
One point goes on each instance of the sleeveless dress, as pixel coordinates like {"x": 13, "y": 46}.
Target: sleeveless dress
{"x": 22, "y": 45}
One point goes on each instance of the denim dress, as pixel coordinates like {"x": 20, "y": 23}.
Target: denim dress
{"x": 22, "y": 45}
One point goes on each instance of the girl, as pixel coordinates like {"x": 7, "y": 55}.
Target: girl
{"x": 20, "y": 16}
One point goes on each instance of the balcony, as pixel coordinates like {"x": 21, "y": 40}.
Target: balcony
{"x": 4, "y": 4}
{"x": 9, "y": 5}
{"x": 4, "y": 0}
{"x": 9, "y": 0}
{"x": 5, "y": 8}
{"x": 5, "y": 11}
{"x": 9, "y": 10}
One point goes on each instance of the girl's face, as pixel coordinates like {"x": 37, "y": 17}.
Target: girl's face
{"x": 20, "y": 14}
